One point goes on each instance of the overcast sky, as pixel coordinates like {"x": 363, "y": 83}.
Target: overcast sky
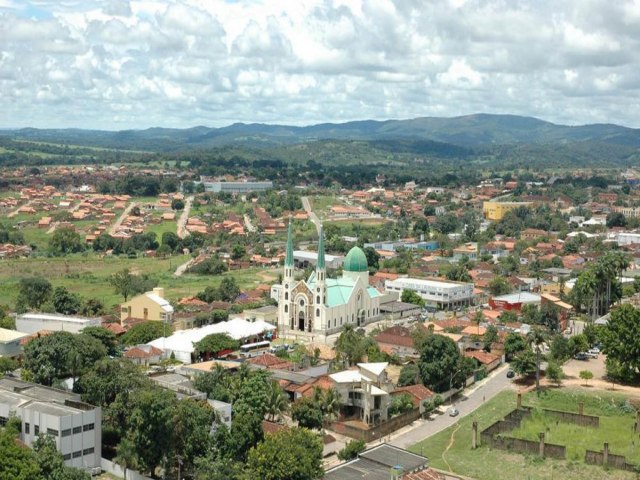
{"x": 116, "y": 64}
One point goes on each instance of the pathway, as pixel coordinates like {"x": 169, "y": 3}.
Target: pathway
{"x": 312, "y": 216}
{"x": 248, "y": 225}
{"x": 182, "y": 221}
{"x": 114, "y": 228}
{"x": 183, "y": 268}
{"x": 17, "y": 210}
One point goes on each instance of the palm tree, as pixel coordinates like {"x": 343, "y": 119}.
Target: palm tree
{"x": 277, "y": 402}
{"x": 331, "y": 403}
{"x": 536, "y": 338}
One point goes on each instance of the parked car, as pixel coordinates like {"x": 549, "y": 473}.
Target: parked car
{"x": 511, "y": 374}
{"x": 595, "y": 349}
{"x": 453, "y": 412}
{"x": 581, "y": 356}
{"x": 592, "y": 354}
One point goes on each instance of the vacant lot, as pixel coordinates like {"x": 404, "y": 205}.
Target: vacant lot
{"x": 450, "y": 449}
{"x": 88, "y": 275}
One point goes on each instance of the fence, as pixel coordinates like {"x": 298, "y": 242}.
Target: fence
{"x": 614, "y": 461}
{"x": 576, "y": 418}
{"x": 377, "y": 431}
{"x": 118, "y": 471}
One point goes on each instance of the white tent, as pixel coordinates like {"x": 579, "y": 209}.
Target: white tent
{"x": 181, "y": 342}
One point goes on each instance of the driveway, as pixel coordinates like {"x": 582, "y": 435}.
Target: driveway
{"x": 466, "y": 403}
{"x": 312, "y": 216}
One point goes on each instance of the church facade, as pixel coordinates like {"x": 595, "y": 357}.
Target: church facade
{"x": 321, "y": 306}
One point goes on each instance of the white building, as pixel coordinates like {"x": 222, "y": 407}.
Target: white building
{"x": 443, "y": 294}
{"x": 627, "y": 238}
{"x": 10, "y": 342}
{"x": 304, "y": 258}
{"x": 364, "y": 392}
{"x": 321, "y": 305}
{"x": 34, "y": 322}
{"x": 75, "y": 426}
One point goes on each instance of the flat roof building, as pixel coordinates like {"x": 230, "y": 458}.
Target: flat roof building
{"x": 235, "y": 187}
{"x": 10, "y": 342}
{"x": 304, "y": 258}
{"x": 76, "y": 427}
{"x": 34, "y": 322}
{"x": 443, "y": 294}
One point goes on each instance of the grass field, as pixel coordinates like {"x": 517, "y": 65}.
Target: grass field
{"x": 88, "y": 275}
{"x": 450, "y": 449}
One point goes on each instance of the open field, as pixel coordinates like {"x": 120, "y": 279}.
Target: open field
{"x": 88, "y": 275}
{"x": 450, "y": 449}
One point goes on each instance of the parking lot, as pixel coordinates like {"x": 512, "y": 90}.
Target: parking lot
{"x": 596, "y": 366}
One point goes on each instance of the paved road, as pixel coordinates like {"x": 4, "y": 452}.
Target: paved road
{"x": 116, "y": 225}
{"x": 183, "y": 268}
{"x": 312, "y": 216}
{"x": 182, "y": 221}
{"x": 466, "y": 403}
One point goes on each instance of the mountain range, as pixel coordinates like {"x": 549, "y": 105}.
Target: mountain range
{"x": 469, "y": 133}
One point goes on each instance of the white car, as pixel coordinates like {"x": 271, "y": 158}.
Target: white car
{"x": 453, "y": 412}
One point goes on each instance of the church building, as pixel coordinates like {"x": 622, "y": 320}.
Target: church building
{"x": 321, "y": 305}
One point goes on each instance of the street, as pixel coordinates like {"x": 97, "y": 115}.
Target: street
{"x": 312, "y": 216}
{"x": 466, "y": 403}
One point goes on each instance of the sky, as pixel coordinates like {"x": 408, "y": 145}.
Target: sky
{"x": 119, "y": 64}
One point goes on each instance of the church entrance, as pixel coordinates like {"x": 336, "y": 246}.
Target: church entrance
{"x": 301, "y": 321}
{"x": 361, "y": 317}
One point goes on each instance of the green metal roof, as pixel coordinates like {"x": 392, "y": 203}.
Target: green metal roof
{"x": 320, "y": 263}
{"x": 339, "y": 290}
{"x": 288, "y": 261}
{"x": 356, "y": 261}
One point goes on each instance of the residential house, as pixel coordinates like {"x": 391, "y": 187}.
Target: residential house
{"x": 147, "y": 306}
{"x": 419, "y": 393}
{"x": 144, "y": 355}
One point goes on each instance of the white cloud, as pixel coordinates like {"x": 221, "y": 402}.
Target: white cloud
{"x": 132, "y": 64}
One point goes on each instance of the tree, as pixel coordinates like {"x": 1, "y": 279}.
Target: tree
{"x": 192, "y": 423}
{"x": 7, "y": 365}
{"x": 508, "y": 316}
{"x": 238, "y": 252}
{"x": 125, "y": 455}
{"x": 171, "y": 240}
{"x": 439, "y": 358}
{"x": 65, "y": 241}
{"x": 51, "y": 461}
{"x": 621, "y": 339}
{"x": 524, "y": 363}
{"x": 550, "y": 316}
{"x": 616, "y": 219}
{"x": 554, "y": 373}
{"x": 400, "y": 404}
{"x": 421, "y": 227}
{"x": 586, "y": 375}
{"x": 65, "y": 302}
{"x": 215, "y": 343}
{"x": 104, "y": 336}
{"x": 16, "y": 461}
{"x": 306, "y": 412}
{"x": 560, "y": 349}
{"x": 458, "y": 272}
{"x": 373, "y": 258}
{"x": 144, "y": 332}
{"x": 33, "y": 293}
{"x": 351, "y": 450}
{"x": 577, "y": 344}
{"x": 350, "y": 346}
{"x": 61, "y": 354}
{"x": 151, "y": 430}
{"x": 122, "y": 283}
{"x": 409, "y": 375}
{"x": 92, "y": 307}
{"x": 536, "y": 338}
{"x": 228, "y": 290}
{"x": 290, "y": 454}
{"x": 490, "y": 337}
{"x": 177, "y": 204}
{"x": 410, "y": 296}
{"x": 499, "y": 286}
{"x": 514, "y": 343}
{"x": 277, "y": 402}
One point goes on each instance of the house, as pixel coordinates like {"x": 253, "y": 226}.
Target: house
{"x": 398, "y": 340}
{"x": 364, "y": 392}
{"x": 488, "y": 360}
{"x": 148, "y": 306}
{"x": 386, "y": 462}
{"x": 10, "y": 342}
{"x": 270, "y": 362}
{"x": 75, "y": 426}
{"x": 144, "y": 355}
{"x": 268, "y": 313}
{"x": 419, "y": 393}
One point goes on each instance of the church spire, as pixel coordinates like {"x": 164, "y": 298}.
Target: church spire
{"x": 288, "y": 261}
{"x": 321, "y": 263}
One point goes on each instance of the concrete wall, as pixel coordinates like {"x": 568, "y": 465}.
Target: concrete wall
{"x": 118, "y": 471}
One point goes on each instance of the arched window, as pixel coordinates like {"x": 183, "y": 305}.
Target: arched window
{"x": 286, "y": 308}
{"x": 317, "y": 298}
{"x": 302, "y": 302}
{"x": 317, "y": 312}
{"x": 286, "y": 295}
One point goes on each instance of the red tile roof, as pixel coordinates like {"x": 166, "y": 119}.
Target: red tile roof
{"x": 396, "y": 336}
{"x": 419, "y": 392}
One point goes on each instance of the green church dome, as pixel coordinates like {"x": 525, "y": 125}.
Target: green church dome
{"x": 356, "y": 261}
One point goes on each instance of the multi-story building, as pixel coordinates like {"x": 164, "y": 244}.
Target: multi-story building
{"x": 76, "y": 427}
{"x": 236, "y": 187}
{"x": 497, "y": 210}
{"x": 439, "y": 293}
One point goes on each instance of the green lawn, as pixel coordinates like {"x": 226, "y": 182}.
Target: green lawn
{"x": 160, "y": 228}
{"x": 450, "y": 449}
